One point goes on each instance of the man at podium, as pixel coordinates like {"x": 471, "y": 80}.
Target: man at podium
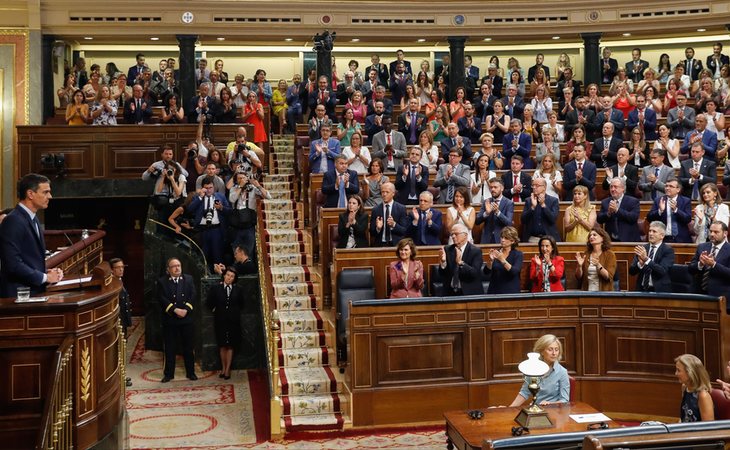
{"x": 22, "y": 247}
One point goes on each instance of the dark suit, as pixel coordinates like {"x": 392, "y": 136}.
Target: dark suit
{"x": 524, "y": 147}
{"x": 468, "y": 274}
{"x": 212, "y": 236}
{"x": 610, "y": 159}
{"x": 472, "y": 133}
{"x": 141, "y": 114}
{"x": 708, "y": 174}
{"x": 540, "y": 220}
{"x": 622, "y": 225}
{"x": 649, "y": 123}
{"x": 532, "y": 71}
{"x": 192, "y": 111}
{"x": 656, "y": 268}
{"x": 496, "y": 84}
{"x": 382, "y": 70}
{"x": 472, "y": 72}
{"x": 133, "y": 73}
{"x": 712, "y": 65}
{"x": 631, "y": 173}
{"x": 359, "y": 230}
{"x": 681, "y": 218}
{"x": 525, "y": 181}
{"x": 718, "y": 283}
{"x": 505, "y": 281}
{"x": 331, "y": 187}
{"x": 495, "y": 222}
{"x": 422, "y": 233}
{"x": 515, "y": 110}
{"x": 125, "y": 309}
{"x": 588, "y": 180}
{"x": 387, "y": 106}
{"x": 172, "y": 296}
{"x": 561, "y": 85}
{"x": 370, "y": 128}
{"x": 413, "y": 131}
{"x": 607, "y": 74}
{"x": 693, "y": 69}
{"x": 23, "y": 254}
{"x": 448, "y": 143}
{"x": 406, "y": 64}
{"x": 636, "y": 71}
{"x": 397, "y": 85}
{"x": 411, "y": 186}
{"x": 326, "y": 98}
{"x": 709, "y": 143}
{"x": 397, "y": 232}
{"x": 572, "y": 119}
{"x": 226, "y": 314}
{"x": 616, "y": 117}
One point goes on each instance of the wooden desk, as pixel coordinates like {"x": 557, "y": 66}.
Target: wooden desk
{"x": 464, "y": 433}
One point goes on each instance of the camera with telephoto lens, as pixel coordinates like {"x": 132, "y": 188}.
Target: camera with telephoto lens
{"x": 170, "y": 171}
{"x": 208, "y": 216}
{"x": 192, "y": 153}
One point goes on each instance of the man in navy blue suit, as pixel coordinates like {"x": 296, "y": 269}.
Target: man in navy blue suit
{"x": 210, "y": 209}
{"x": 323, "y": 96}
{"x": 388, "y": 220}
{"x": 134, "y": 74}
{"x": 412, "y": 178}
{"x": 652, "y": 261}
{"x": 517, "y": 143}
{"x": 460, "y": 265}
{"x": 322, "y": 152}
{"x": 400, "y": 55}
{"x": 540, "y": 215}
{"x": 675, "y": 211}
{"x": 496, "y": 213}
{"x": 339, "y": 183}
{"x": 711, "y": 263}
{"x": 470, "y": 70}
{"x": 605, "y": 147}
{"x": 425, "y": 228}
{"x": 620, "y": 214}
{"x": 200, "y": 105}
{"x": 707, "y": 138}
{"x": 579, "y": 171}
{"x": 643, "y": 117}
{"x": 22, "y": 248}
{"x": 137, "y": 110}
{"x": 696, "y": 172}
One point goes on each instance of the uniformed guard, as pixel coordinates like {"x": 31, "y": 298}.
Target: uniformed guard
{"x": 125, "y": 306}
{"x": 177, "y": 295}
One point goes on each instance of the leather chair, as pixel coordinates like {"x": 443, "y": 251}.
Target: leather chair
{"x": 722, "y": 405}
{"x": 352, "y": 284}
{"x": 682, "y": 281}
{"x": 572, "y": 388}
{"x": 437, "y": 286}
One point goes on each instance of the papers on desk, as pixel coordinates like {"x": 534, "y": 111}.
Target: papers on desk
{"x": 73, "y": 281}
{"x": 590, "y": 418}
{"x": 32, "y": 300}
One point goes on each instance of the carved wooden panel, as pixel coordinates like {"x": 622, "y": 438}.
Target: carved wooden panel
{"x": 419, "y": 357}
{"x": 645, "y": 350}
{"x": 511, "y": 345}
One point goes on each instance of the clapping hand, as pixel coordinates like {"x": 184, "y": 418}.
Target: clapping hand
{"x": 414, "y": 213}
{"x": 580, "y": 258}
{"x": 442, "y": 255}
{"x": 390, "y": 222}
{"x": 379, "y": 223}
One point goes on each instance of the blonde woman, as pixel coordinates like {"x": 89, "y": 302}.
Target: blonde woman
{"x": 555, "y": 384}
{"x": 710, "y": 209}
{"x": 563, "y": 63}
{"x": 580, "y": 217}
{"x": 696, "y": 403}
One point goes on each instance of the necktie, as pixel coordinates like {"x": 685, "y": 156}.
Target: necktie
{"x": 516, "y": 196}
{"x": 412, "y": 176}
{"x": 422, "y": 228}
{"x": 580, "y": 166}
{"x": 228, "y": 291}
{"x": 37, "y": 226}
{"x": 342, "y": 200}
{"x": 645, "y": 283}
{"x": 706, "y": 274}
{"x": 670, "y": 217}
{"x": 321, "y": 96}
{"x": 696, "y": 185}
{"x": 387, "y": 139}
{"x": 388, "y": 237}
{"x": 455, "y": 282}
{"x": 688, "y": 71}
{"x": 414, "y": 127}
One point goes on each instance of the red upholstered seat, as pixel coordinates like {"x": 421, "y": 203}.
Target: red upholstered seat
{"x": 722, "y": 405}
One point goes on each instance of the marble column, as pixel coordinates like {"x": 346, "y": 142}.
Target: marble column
{"x": 47, "y": 77}
{"x": 186, "y": 82}
{"x": 591, "y": 58}
{"x": 456, "y": 69}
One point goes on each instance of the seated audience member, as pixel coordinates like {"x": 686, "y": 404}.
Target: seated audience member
{"x": 701, "y": 135}
{"x": 653, "y": 261}
{"x": 669, "y": 145}
{"x": 619, "y": 214}
{"x": 597, "y": 265}
{"x": 496, "y": 213}
{"x": 323, "y": 96}
{"x": 137, "y": 110}
{"x": 406, "y": 273}
{"x": 711, "y": 263}
{"x": 581, "y": 115}
{"x": 380, "y": 97}
{"x": 411, "y": 122}
{"x": 339, "y": 183}
{"x": 454, "y": 141}
{"x": 388, "y": 144}
{"x": 388, "y": 220}
{"x": 674, "y": 211}
{"x": 654, "y": 176}
{"x": 319, "y": 120}
{"x": 605, "y": 147}
{"x": 347, "y": 126}
{"x": 540, "y": 214}
{"x": 352, "y": 227}
{"x": 461, "y": 212}
{"x": 644, "y": 118}
{"x": 460, "y": 265}
{"x": 480, "y": 180}
{"x": 638, "y": 148}
{"x": 425, "y": 227}
{"x": 470, "y": 126}
{"x": 547, "y": 267}
{"x": 517, "y": 183}
{"x": 681, "y": 119}
{"x": 554, "y": 385}
{"x": 452, "y": 175}
{"x": 373, "y": 181}
{"x": 210, "y": 209}
{"x": 709, "y": 210}
{"x": 628, "y": 173}
{"x": 323, "y": 151}
{"x": 696, "y": 172}
{"x": 610, "y": 115}
{"x": 198, "y": 106}
{"x": 513, "y": 103}
{"x": 517, "y": 143}
{"x": 580, "y": 217}
{"x": 211, "y": 171}
{"x": 496, "y": 160}
{"x": 696, "y": 403}
{"x": 579, "y": 172}
{"x": 504, "y": 265}
{"x": 548, "y": 146}
{"x": 552, "y": 176}
{"x": 412, "y": 178}
{"x": 358, "y": 156}
{"x": 374, "y": 121}
{"x": 498, "y": 123}
{"x": 429, "y": 152}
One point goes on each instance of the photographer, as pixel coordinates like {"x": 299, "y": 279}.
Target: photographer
{"x": 211, "y": 210}
{"x": 244, "y": 151}
{"x": 155, "y": 170}
{"x": 170, "y": 186}
{"x": 243, "y": 191}
{"x": 211, "y": 171}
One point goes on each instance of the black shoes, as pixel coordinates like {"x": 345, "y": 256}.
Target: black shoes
{"x": 228, "y": 377}
{"x": 192, "y": 377}
{"x": 165, "y": 379}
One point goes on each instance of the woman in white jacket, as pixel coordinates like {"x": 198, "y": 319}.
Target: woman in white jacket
{"x": 710, "y": 210}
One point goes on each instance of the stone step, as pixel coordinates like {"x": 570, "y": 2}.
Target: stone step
{"x": 305, "y": 357}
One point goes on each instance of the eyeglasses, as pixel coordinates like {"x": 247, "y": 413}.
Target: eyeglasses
{"x": 457, "y": 233}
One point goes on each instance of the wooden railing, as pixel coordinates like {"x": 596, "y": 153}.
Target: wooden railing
{"x": 56, "y": 430}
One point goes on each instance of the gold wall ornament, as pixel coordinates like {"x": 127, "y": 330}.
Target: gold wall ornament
{"x": 85, "y": 374}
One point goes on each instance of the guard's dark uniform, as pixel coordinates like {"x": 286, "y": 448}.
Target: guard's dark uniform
{"x": 226, "y": 306}
{"x": 125, "y": 310}
{"x": 180, "y": 294}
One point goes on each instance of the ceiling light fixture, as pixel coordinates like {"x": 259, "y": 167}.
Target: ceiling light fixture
{"x": 555, "y": 38}
{"x": 626, "y": 34}
{"x": 701, "y": 30}
{"x": 355, "y": 40}
{"x": 220, "y": 38}
{"x": 288, "y": 39}
{"x": 487, "y": 39}
{"x": 88, "y": 38}
{"x": 422, "y": 40}
{"x": 154, "y": 38}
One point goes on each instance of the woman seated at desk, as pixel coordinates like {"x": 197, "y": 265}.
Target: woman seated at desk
{"x": 405, "y": 274}
{"x": 696, "y": 400}
{"x": 555, "y": 384}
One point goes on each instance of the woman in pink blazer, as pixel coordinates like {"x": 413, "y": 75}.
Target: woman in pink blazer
{"x": 405, "y": 274}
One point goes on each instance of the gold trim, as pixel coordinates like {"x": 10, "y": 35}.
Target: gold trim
{"x": 85, "y": 378}
{"x": 115, "y": 342}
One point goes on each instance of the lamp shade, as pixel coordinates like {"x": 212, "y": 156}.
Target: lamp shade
{"x": 533, "y": 366}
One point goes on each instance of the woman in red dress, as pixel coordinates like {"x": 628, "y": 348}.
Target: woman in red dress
{"x": 253, "y": 113}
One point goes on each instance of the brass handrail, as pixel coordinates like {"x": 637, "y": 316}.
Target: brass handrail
{"x": 56, "y": 422}
{"x": 205, "y": 261}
